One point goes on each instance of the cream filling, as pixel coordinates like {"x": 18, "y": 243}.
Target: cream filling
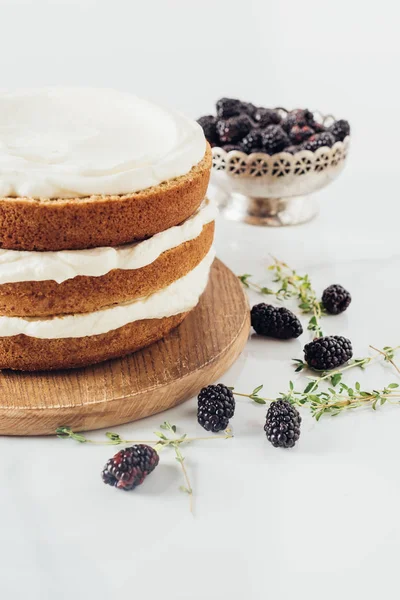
{"x": 179, "y": 297}
{"x": 17, "y": 266}
{"x": 73, "y": 142}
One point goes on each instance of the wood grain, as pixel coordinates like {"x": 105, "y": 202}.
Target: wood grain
{"x": 152, "y": 380}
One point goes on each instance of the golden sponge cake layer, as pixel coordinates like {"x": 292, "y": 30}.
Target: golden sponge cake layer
{"x": 88, "y": 294}
{"x": 25, "y": 353}
{"x": 78, "y": 223}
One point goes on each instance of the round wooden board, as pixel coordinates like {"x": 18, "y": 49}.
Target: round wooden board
{"x": 152, "y": 380}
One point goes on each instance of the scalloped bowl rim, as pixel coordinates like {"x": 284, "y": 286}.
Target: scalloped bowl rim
{"x": 282, "y": 154}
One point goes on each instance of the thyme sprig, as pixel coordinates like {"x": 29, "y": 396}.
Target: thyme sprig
{"x": 299, "y": 286}
{"x": 292, "y": 285}
{"x": 338, "y": 396}
{"x": 245, "y": 279}
{"x": 161, "y": 442}
{"x": 388, "y": 353}
{"x": 114, "y": 439}
{"x": 334, "y": 400}
{"x": 330, "y": 401}
{"x": 175, "y": 443}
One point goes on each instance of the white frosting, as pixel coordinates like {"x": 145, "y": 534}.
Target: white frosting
{"x": 69, "y": 142}
{"x": 16, "y": 265}
{"x": 179, "y": 297}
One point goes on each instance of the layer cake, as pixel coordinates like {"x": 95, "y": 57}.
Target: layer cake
{"x": 105, "y": 232}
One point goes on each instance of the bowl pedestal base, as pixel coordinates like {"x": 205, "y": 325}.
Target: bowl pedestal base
{"x": 270, "y": 212}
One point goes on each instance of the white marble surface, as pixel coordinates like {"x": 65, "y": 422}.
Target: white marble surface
{"x": 319, "y": 521}
{"x": 324, "y": 511}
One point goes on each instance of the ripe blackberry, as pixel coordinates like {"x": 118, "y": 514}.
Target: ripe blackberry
{"x": 282, "y": 424}
{"x": 274, "y": 139}
{"x": 266, "y": 116}
{"x": 336, "y": 299}
{"x": 129, "y": 467}
{"x": 234, "y": 129}
{"x": 209, "y": 125}
{"x": 216, "y": 405}
{"x": 276, "y": 322}
{"x": 300, "y": 117}
{"x": 340, "y": 129}
{"x": 299, "y": 134}
{"x": 251, "y": 141}
{"x": 249, "y": 109}
{"x": 230, "y": 147}
{"x": 229, "y": 107}
{"x": 318, "y": 127}
{"x": 328, "y": 352}
{"x": 318, "y": 141}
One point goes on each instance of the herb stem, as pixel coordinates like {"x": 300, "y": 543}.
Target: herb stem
{"x": 188, "y": 489}
{"x": 110, "y": 443}
{"x": 302, "y": 289}
{"x": 386, "y": 357}
{"x": 252, "y": 397}
{"x": 344, "y": 401}
{"x": 65, "y": 432}
{"x": 360, "y": 363}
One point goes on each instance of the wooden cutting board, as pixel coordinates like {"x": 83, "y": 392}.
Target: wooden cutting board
{"x": 195, "y": 354}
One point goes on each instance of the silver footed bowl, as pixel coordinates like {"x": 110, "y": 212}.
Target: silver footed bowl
{"x": 275, "y": 190}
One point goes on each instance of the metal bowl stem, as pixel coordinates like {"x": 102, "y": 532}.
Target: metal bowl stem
{"x": 271, "y": 212}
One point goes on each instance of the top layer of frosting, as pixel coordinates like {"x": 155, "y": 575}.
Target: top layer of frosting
{"x": 74, "y": 142}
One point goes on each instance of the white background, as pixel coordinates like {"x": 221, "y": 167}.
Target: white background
{"x": 319, "y": 521}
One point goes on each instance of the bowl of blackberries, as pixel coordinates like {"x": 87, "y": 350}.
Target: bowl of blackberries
{"x": 267, "y": 162}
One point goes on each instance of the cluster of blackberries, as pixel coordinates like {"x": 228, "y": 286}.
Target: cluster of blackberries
{"x": 216, "y": 405}
{"x": 281, "y": 323}
{"x": 323, "y": 353}
{"x": 248, "y": 128}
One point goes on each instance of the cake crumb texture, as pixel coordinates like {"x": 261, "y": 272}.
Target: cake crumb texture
{"x": 25, "y": 353}
{"x": 89, "y": 294}
{"x": 78, "y": 223}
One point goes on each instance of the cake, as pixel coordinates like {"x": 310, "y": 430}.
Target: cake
{"x": 106, "y": 234}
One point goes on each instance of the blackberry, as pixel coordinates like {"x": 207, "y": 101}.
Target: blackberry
{"x": 251, "y": 141}
{"x": 216, "y": 405}
{"x": 234, "y": 129}
{"x": 266, "y": 116}
{"x": 209, "y": 125}
{"x": 229, "y": 107}
{"x": 129, "y": 467}
{"x": 300, "y": 134}
{"x": 300, "y": 117}
{"x": 230, "y": 147}
{"x": 282, "y": 424}
{"x": 340, "y": 129}
{"x": 276, "y": 322}
{"x": 324, "y": 354}
{"x": 318, "y": 127}
{"x": 249, "y": 109}
{"x": 274, "y": 139}
{"x": 336, "y": 299}
{"x": 318, "y": 141}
